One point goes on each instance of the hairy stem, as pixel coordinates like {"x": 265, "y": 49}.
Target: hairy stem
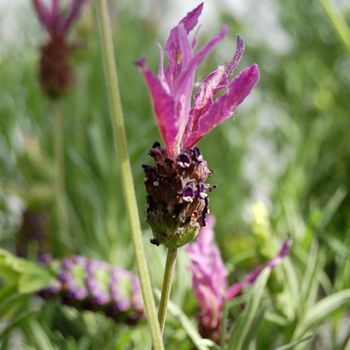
{"x": 166, "y": 289}
{"x": 125, "y": 169}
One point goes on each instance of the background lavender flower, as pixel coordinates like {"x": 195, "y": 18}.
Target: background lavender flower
{"x": 33, "y": 239}
{"x": 209, "y": 279}
{"x": 95, "y": 285}
{"x": 55, "y": 72}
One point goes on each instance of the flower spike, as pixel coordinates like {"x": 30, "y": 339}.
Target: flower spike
{"x": 176, "y": 189}
{"x": 209, "y": 278}
{"x": 55, "y": 73}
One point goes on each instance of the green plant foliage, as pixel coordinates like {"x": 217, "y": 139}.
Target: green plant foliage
{"x": 282, "y": 166}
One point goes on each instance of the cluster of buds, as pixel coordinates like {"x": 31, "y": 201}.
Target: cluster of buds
{"x": 177, "y": 202}
{"x": 55, "y": 73}
{"x": 97, "y": 286}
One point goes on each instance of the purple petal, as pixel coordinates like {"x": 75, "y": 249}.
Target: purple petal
{"x": 219, "y": 272}
{"x": 188, "y": 194}
{"x": 197, "y": 59}
{"x": 210, "y": 86}
{"x": 54, "y": 10}
{"x": 74, "y": 12}
{"x": 43, "y": 13}
{"x": 194, "y": 41}
{"x": 251, "y": 278}
{"x": 225, "y": 105}
{"x": 185, "y": 46}
{"x": 183, "y": 98}
{"x": 183, "y": 160}
{"x": 172, "y": 45}
{"x": 209, "y": 272}
{"x": 161, "y": 76}
{"x": 163, "y": 106}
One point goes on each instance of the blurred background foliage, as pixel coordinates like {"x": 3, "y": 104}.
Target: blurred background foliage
{"x": 287, "y": 147}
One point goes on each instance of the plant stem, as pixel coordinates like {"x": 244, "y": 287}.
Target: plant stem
{"x": 58, "y": 149}
{"x": 166, "y": 289}
{"x": 125, "y": 168}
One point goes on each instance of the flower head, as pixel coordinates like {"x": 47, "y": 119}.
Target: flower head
{"x": 181, "y": 125}
{"x": 96, "y": 285}
{"x": 177, "y": 202}
{"x": 55, "y": 72}
{"x": 209, "y": 282}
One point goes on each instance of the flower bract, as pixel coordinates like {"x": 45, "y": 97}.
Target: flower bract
{"x": 182, "y": 125}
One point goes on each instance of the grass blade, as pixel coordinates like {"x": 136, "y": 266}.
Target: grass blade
{"x": 241, "y": 327}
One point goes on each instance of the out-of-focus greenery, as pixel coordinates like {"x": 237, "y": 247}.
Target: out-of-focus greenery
{"x": 287, "y": 146}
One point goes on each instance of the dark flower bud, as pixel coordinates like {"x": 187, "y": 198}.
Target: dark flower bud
{"x": 177, "y": 203}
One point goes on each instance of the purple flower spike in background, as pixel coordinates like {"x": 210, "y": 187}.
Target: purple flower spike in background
{"x": 209, "y": 279}
{"x": 55, "y": 71}
{"x": 97, "y": 286}
{"x": 177, "y": 203}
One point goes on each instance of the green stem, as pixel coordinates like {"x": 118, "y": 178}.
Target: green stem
{"x": 125, "y": 169}
{"x": 166, "y": 289}
{"x": 58, "y": 139}
{"x": 338, "y": 22}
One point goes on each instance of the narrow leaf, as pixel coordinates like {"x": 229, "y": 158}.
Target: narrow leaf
{"x": 292, "y": 345}
{"x": 186, "y": 323}
{"x": 241, "y": 327}
{"x": 321, "y": 311}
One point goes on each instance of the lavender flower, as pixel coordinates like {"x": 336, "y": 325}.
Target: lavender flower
{"x": 209, "y": 279}
{"x": 177, "y": 203}
{"x": 55, "y": 71}
{"x": 97, "y": 286}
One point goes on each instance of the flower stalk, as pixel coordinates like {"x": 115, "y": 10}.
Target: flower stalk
{"x": 125, "y": 168}
{"x": 58, "y": 140}
{"x": 166, "y": 289}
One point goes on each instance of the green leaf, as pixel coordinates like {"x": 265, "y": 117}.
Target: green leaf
{"x": 35, "y": 279}
{"x": 11, "y": 304}
{"x": 42, "y": 340}
{"x": 331, "y": 207}
{"x": 224, "y": 320}
{"x": 29, "y": 276}
{"x": 210, "y": 343}
{"x": 321, "y": 311}
{"x": 16, "y": 322}
{"x": 241, "y": 327}
{"x": 27, "y": 347}
{"x": 292, "y": 345}
{"x": 186, "y": 323}
{"x": 276, "y": 319}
